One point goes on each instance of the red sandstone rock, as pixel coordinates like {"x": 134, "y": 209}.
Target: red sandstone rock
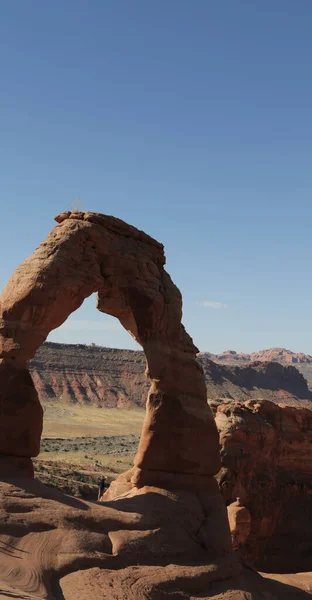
{"x": 267, "y": 462}
{"x": 150, "y": 545}
{"x": 85, "y": 253}
{"x": 239, "y": 521}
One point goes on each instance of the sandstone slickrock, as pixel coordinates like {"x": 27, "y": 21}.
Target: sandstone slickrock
{"x": 142, "y": 547}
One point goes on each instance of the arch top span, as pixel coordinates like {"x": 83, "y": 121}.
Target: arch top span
{"x": 86, "y": 253}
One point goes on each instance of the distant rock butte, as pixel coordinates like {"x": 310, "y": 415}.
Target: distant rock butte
{"x": 272, "y": 354}
{"x": 303, "y": 362}
{"x": 108, "y": 377}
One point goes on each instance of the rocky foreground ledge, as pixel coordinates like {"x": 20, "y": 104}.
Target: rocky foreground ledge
{"x": 152, "y": 544}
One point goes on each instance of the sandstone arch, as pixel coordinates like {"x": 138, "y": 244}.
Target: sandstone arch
{"x": 86, "y": 253}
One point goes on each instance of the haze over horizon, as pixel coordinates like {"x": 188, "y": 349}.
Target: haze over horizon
{"x": 191, "y": 122}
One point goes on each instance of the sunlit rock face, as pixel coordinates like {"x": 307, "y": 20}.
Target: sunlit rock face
{"x": 86, "y": 253}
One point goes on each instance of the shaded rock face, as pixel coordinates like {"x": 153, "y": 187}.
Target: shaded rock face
{"x": 266, "y": 453}
{"x": 87, "y": 253}
{"x": 268, "y": 380}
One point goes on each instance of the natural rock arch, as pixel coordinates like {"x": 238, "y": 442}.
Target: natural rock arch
{"x": 86, "y": 253}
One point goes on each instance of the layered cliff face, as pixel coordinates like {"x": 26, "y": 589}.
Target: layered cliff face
{"x": 267, "y": 462}
{"x": 303, "y": 362}
{"x": 116, "y": 378}
{"x": 268, "y": 380}
{"x": 90, "y": 375}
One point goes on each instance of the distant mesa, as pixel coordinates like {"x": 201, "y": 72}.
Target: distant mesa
{"x": 114, "y": 378}
{"x": 302, "y": 361}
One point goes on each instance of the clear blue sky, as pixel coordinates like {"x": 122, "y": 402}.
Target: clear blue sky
{"x": 190, "y": 120}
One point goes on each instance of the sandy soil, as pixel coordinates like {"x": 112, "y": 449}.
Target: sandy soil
{"x": 72, "y": 420}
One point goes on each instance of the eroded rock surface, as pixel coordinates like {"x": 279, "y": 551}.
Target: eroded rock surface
{"x": 86, "y": 253}
{"x": 161, "y": 530}
{"x": 145, "y": 546}
{"x": 303, "y": 362}
{"x": 267, "y": 463}
{"x": 90, "y": 375}
{"x": 45, "y": 535}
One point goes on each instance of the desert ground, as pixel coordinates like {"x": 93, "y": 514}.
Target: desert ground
{"x": 82, "y": 443}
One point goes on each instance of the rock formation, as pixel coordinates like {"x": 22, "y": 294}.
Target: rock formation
{"x": 108, "y": 377}
{"x": 90, "y": 375}
{"x": 84, "y": 253}
{"x": 239, "y": 521}
{"x": 144, "y": 546}
{"x": 267, "y": 463}
{"x": 268, "y": 380}
{"x": 162, "y": 530}
{"x": 303, "y": 362}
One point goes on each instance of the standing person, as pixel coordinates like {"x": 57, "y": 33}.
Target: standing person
{"x": 101, "y": 487}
